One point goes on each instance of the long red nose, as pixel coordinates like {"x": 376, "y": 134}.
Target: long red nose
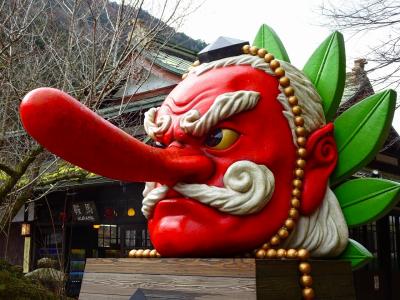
{"x": 70, "y": 130}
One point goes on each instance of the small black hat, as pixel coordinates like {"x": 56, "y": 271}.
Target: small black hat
{"x": 222, "y": 47}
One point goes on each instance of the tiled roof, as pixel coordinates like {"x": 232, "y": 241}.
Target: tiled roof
{"x": 143, "y": 104}
{"x": 170, "y": 62}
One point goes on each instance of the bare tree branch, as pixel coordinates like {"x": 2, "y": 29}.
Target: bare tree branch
{"x": 8, "y": 170}
{"x": 88, "y": 48}
{"x": 373, "y": 18}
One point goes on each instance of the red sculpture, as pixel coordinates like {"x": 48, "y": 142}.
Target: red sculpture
{"x": 244, "y": 154}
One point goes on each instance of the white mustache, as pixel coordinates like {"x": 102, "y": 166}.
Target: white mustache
{"x": 247, "y": 189}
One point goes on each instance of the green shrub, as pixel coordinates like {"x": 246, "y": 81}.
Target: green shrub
{"x": 14, "y": 285}
{"x": 47, "y": 262}
{"x": 50, "y": 278}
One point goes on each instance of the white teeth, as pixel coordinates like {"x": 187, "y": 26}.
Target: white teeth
{"x": 152, "y": 196}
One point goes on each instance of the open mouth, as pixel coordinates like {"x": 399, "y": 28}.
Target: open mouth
{"x": 162, "y": 201}
{"x": 181, "y": 207}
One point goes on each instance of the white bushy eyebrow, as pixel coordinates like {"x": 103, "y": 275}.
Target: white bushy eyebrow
{"x": 224, "y": 106}
{"x": 155, "y": 129}
{"x": 309, "y": 99}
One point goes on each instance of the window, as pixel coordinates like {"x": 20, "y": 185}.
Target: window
{"x": 108, "y": 236}
{"x": 137, "y": 238}
{"x": 130, "y": 238}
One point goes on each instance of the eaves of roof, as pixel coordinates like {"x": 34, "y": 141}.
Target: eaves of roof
{"x": 143, "y": 104}
{"x": 171, "y": 63}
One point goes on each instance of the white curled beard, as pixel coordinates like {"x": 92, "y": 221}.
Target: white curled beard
{"x": 247, "y": 189}
{"x": 324, "y": 233}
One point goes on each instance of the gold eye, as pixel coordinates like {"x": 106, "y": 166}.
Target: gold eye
{"x": 220, "y": 139}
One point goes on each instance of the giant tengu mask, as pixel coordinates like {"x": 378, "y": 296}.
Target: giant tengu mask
{"x": 247, "y": 152}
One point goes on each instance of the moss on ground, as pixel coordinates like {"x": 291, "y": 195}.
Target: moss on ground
{"x": 14, "y": 285}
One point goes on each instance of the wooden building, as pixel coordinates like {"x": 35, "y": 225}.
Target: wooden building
{"x": 97, "y": 217}
{"x": 378, "y": 279}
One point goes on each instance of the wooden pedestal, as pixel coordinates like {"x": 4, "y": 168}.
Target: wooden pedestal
{"x": 244, "y": 279}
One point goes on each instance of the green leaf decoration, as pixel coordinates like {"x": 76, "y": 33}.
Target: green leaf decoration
{"x": 326, "y": 69}
{"x": 268, "y": 39}
{"x": 356, "y": 254}
{"x": 366, "y": 199}
{"x": 361, "y": 131}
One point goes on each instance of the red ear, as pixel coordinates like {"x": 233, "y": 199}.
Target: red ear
{"x": 321, "y": 161}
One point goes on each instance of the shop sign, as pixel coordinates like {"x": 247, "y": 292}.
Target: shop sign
{"x": 84, "y": 212}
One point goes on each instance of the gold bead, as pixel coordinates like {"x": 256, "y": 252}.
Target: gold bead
{"x": 295, "y": 202}
{"x": 293, "y": 101}
{"x": 308, "y": 293}
{"x": 279, "y": 72}
{"x": 289, "y": 91}
{"x": 261, "y": 52}
{"x": 300, "y": 131}
{"x": 132, "y": 253}
{"x": 266, "y": 246}
{"x": 293, "y": 213}
{"x": 196, "y": 63}
{"x": 139, "y": 253}
{"x": 290, "y": 223}
{"x": 271, "y": 253}
{"x": 305, "y": 268}
{"x": 246, "y": 49}
{"x": 297, "y": 183}
{"x": 302, "y": 152}
{"x": 153, "y": 253}
{"x": 253, "y": 50}
{"x": 301, "y": 163}
{"x": 284, "y": 81}
{"x": 261, "y": 253}
{"x": 275, "y": 240}
{"x": 283, "y": 233}
{"x": 146, "y": 253}
{"x": 291, "y": 253}
{"x": 299, "y": 121}
{"x": 301, "y": 141}
{"x": 281, "y": 253}
{"x": 306, "y": 280}
{"x": 296, "y": 110}
{"x": 303, "y": 254}
{"x": 274, "y": 64}
{"x": 296, "y": 192}
{"x": 184, "y": 75}
{"x": 299, "y": 173}
{"x": 268, "y": 57}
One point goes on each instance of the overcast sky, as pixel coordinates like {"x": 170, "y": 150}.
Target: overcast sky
{"x": 292, "y": 20}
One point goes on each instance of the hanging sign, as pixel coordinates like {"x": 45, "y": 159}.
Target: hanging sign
{"x": 84, "y": 212}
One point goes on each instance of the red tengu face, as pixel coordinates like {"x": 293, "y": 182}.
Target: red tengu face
{"x": 180, "y": 226}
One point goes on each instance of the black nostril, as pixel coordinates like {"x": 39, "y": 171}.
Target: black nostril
{"x": 158, "y": 145}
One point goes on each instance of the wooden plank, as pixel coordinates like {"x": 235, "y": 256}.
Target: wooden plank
{"x": 240, "y": 267}
{"x": 279, "y": 279}
{"x": 333, "y": 279}
{"x": 186, "y": 287}
{"x": 101, "y": 297}
{"x": 212, "y": 279}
